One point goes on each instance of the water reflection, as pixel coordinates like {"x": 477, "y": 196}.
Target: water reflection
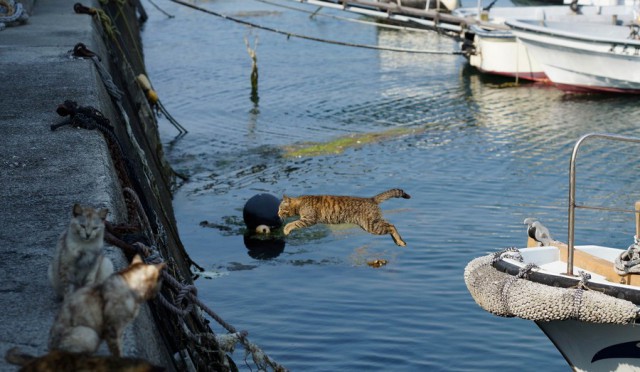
{"x": 263, "y": 247}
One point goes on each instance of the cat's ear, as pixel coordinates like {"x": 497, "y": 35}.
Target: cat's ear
{"x": 161, "y": 266}
{"x": 136, "y": 259}
{"x": 285, "y": 198}
{"x": 102, "y": 213}
{"x": 77, "y": 210}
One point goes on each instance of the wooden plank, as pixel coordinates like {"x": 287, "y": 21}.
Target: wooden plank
{"x": 596, "y": 265}
{"x": 593, "y": 263}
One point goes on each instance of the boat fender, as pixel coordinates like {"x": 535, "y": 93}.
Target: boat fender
{"x": 260, "y": 213}
{"x": 144, "y": 83}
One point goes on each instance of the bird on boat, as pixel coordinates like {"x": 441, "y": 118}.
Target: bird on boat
{"x": 538, "y": 232}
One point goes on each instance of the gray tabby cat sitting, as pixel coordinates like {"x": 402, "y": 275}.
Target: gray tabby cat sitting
{"x": 78, "y": 260}
{"x": 102, "y": 311}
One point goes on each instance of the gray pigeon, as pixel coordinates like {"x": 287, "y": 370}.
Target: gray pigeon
{"x": 538, "y": 232}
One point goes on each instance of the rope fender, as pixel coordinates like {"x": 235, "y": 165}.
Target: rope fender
{"x": 507, "y": 295}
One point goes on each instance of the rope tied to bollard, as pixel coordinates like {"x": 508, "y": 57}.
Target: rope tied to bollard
{"x": 101, "y": 15}
{"x": 80, "y": 50}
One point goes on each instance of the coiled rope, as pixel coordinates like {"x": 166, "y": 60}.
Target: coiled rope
{"x": 313, "y": 38}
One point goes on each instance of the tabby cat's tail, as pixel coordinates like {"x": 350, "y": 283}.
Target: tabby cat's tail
{"x": 393, "y": 193}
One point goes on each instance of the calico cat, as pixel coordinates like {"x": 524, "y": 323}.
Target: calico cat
{"x": 332, "y": 209}
{"x": 102, "y": 311}
{"x": 78, "y": 260}
{"x": 57, "y": 360}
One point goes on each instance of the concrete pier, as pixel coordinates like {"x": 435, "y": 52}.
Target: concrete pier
{"x": 43, "y": 173}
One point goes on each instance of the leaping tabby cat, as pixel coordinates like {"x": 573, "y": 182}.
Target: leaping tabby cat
{"x": 332, "y": 209}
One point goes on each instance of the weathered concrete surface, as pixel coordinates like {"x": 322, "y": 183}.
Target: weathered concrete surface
{"x": 42, "y": 173}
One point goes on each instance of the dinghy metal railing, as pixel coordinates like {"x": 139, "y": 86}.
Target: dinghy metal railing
{"x": 572, "y": 189}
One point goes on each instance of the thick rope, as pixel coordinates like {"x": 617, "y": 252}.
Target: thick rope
{"x": 142, "y": 214}
{"x": 628, "y": 262}
{"x": 116, "y": 94}
{"x": 511, "y": 252}
{"x": 117, "y": 98}
{"x": 190, "y": 293}
{"x": 162, "y": 10}
{"x": 306, "y": 37}
{"x": 578, "y": 294}
{"x": 100, "y": 15}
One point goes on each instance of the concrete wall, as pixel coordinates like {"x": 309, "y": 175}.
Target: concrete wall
{"x": 42, "y": 173}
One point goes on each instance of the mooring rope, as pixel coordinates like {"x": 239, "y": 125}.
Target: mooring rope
{"x": 116, "y": 95}
{"x": 313, "y": 38}
{"x": 189, "y": 292}
{"x": 161, "y": 10}
{"x": 315, "y": 13}
{"x": 81, "y": 50}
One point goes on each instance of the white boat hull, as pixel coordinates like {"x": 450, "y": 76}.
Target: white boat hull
{"x": 588, "y": 346}
{"x": 499, "y": 53}
{"x": 576, "y": 62}
{"x": 595, "y": 347}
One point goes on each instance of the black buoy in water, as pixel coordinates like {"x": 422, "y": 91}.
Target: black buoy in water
{"x": 260, "y": 213}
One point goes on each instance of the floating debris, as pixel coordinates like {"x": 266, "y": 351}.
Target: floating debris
{"x": 377, "y": 263}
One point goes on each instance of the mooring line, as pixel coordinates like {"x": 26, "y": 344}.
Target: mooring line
{"x": 336, "y": 42}
{"x": 360, "y": 21}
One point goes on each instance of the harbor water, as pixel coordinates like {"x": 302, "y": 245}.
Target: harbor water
{"x": 477, "y": 155}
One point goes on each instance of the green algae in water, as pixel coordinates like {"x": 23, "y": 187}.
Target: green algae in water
{"x": 341, "y": 144}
